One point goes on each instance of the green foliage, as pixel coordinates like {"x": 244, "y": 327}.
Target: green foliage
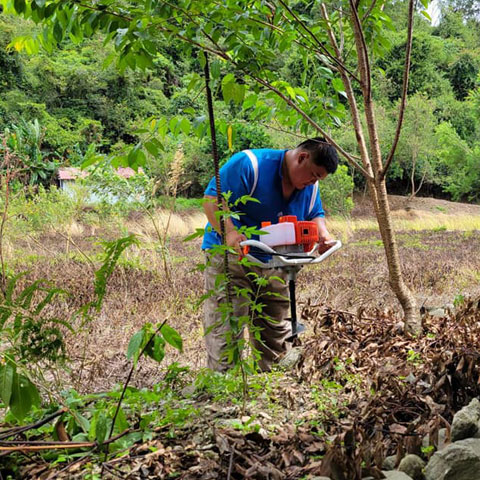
{"x": 108, "y": 186}
{"x": 25, "y": 142}
{"x": 336, "y": 192}
{"x": 151, "y": 341}
{"x": 463, "y": 74}
{"x": 161, "y": 78}
{"x": 112, "y": 252}
{"x": 17, "y": 392}
{"x": 458, "y": 164}
{"x": 28, "y": 335}
{"x": 36, "y": 210}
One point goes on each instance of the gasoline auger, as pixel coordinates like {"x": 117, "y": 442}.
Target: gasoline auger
{"x": 289, "y": 244}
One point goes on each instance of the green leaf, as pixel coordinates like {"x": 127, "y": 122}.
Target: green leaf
{"x": 185, "y": 126}
{"x": 135, "y": 344}
{"x": 250, "y": 101}
{"x": 193, "y": 83}
{"x": 57, "y": 32}
{"x": 19, "y": 6}
{"x": 238, "y": 93}
{"x": 199, "y": 232}
{"x": 109, "y": 59}
{"x": 121, "y": 423}
{"x": 24, "y": 396}
{"x": 202, "y": 59}
{"x": 133, "y": 155}
{"x": 173, "y": 124}
{"x": 172, "y": 337}
{"x": 141, "y": 160}
{"x": 151, "y": 148}
{"x": 156, "y": 349}
{"x": 7, "y": 372}
{"x": 338, "y": 85}
{"x": 215, "y": 69}
{"x": 90, "y": 159}
{"x": 101, "y": 428}
{"x": 291, "y": 92}
{"x": 82, "y": 422}
{"x": 227, "y": 91}
{"x": 426, "y": 15}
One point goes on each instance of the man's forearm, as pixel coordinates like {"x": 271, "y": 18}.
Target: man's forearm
{"x": 322, "y": 227}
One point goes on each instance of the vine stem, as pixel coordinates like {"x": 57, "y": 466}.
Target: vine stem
{"x": 127, "y": 381}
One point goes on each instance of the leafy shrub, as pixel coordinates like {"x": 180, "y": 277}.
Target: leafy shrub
{"x": 108, "y": 186}
{"x": 37, "y": 209}
{"x": 457, "y": 164}
{"x": 336, "y": 192}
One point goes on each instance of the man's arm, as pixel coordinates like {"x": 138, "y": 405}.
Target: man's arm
{"x": 232, "y": 237}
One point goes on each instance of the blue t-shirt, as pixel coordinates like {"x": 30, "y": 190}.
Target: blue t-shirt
{"x": 238, "y": 176}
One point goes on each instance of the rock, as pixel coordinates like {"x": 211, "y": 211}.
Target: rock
{"x": 320, "y": 478}
{"x": 389, "y": 463}
{"x": 291, "y": 358}
{"x": 437, "y": 312}
{"x": 442, "y": 439}
{"x": 466, "y": 421}
{"x": 396, "y": 475}
{"x": 458, "y": 461}
{"x": 411, "y": 378}
{"x": 188, "y": 390}
{"x": 229, "y": 423}
{"x": 413, "y": 466}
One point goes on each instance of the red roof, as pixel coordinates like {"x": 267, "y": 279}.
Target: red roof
{"x": 72, "y": 173}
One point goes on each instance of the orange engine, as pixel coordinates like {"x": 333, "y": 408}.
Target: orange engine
{"x": 306, "y": 233}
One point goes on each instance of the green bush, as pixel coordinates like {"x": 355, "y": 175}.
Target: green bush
{"x": 37, "y": 209}
{"x": 336, "y": 192}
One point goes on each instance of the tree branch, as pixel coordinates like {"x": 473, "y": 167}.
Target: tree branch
{"x": 362, "y": 52}
{"x": 406, "y": 72}
{"x": 320, "y": 44}
{"x": 369, "y": 11}
{"x": 314, "y": 124}
{"x": 351, "y": 101}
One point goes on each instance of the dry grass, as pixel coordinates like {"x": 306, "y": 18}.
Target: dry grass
{"x": 439, "y": 261}
{"x": 407, "y": 221}
{"x": 180, "y": 225}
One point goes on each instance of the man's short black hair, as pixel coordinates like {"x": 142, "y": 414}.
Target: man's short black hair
{"x": 322, "y": 153}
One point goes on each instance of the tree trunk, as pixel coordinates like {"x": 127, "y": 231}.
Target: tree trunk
{"x": 377, "y": 186}
{"x": 407, "y": 300}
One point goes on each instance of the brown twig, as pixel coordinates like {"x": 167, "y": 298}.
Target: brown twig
{"x": 17, "y": 430}
{"x": 13, "y": 446}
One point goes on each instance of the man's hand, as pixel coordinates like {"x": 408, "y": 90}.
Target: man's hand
{"x": 325, "y": 241}
{"x": 233, "y": 239}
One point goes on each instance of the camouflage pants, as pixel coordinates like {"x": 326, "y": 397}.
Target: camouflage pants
{"x": 273, "y": 334}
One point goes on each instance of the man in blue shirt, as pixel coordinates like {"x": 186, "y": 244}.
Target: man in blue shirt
{"x": 285, "y": 183}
